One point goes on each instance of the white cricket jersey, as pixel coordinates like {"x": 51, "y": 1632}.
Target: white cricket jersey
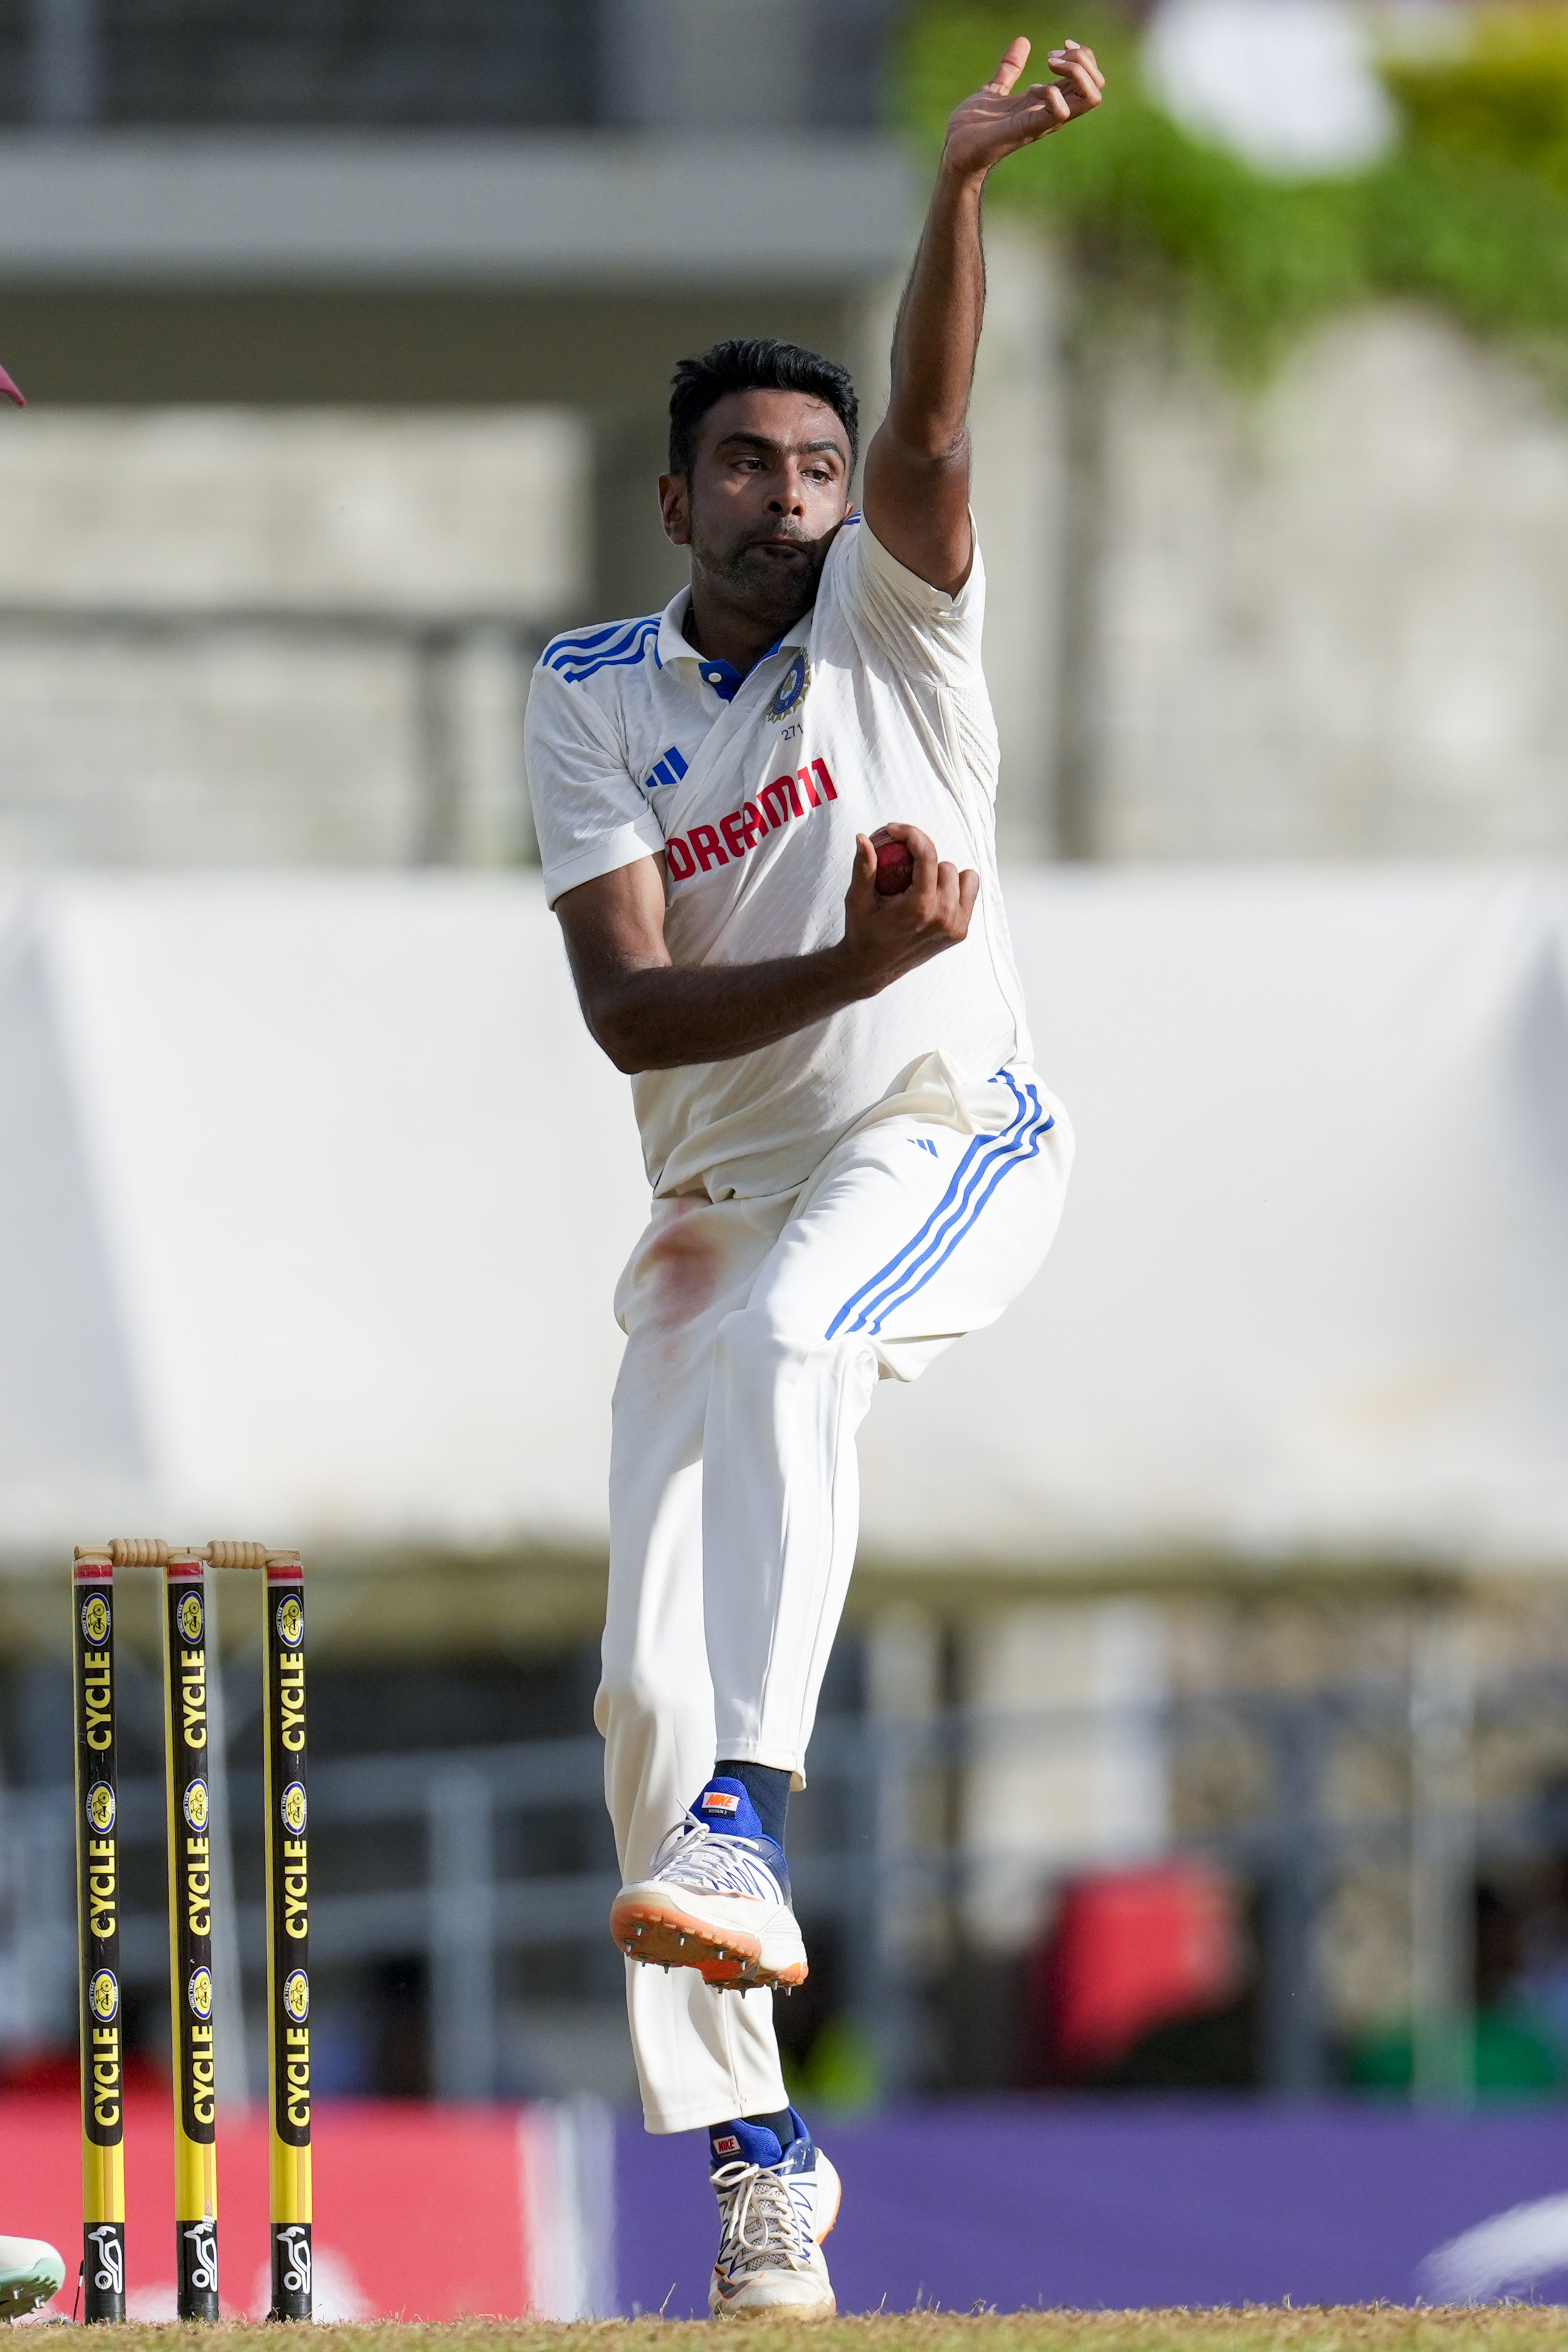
{"x": 873, "y": 709}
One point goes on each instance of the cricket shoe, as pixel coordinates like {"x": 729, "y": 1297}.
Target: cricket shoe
{"x": 30, "y": 2272}
{"x": 718, "y": 1899}
{"x": 775, "y": 2206}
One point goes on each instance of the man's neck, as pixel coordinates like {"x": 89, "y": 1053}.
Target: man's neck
{"x": 721, "y": 633}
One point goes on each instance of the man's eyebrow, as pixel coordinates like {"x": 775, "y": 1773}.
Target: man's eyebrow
{"x": 765, "y": 441}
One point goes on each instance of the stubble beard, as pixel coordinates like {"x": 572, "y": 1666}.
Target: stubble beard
{"x": 770, "y": 593}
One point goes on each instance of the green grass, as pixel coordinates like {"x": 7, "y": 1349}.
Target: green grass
{"x": 1364, "y": 2328}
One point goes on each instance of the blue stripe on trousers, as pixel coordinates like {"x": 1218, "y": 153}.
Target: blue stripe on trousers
{"x": 986, "y": 1160}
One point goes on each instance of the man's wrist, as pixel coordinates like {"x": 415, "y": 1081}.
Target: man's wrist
{"x": 852, "y": 974}
{"x": 957, "y": 180}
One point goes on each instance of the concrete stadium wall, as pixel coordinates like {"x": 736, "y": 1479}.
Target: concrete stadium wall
{"x": 1325, "y": 620}
{"x": 1320, "y": 621}
{"x": 250, "y": 637}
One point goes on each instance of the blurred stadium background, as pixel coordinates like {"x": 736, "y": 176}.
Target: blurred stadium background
{"x": 1201, "y": 1723}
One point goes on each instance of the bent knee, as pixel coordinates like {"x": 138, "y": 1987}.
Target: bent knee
{"x": 626, "y": 1693}
{"x": 631, "y": 1703}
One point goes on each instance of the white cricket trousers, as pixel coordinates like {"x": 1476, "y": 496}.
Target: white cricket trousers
{"x": 756, "y": 1332}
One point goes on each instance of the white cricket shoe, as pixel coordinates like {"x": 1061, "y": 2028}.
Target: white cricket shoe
{"x": 30, "y": 2272}
{"x": 774, "y": 2211}
{"x": 718, "y": 1899}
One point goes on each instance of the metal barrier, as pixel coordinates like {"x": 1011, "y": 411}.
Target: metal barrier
{"x": 489, "y": 61}
{"x": 496, "y": 64}
{"x": 862, "y": 1860}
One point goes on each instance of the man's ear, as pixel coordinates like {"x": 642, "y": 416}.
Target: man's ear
{"x": 675, "y": 506}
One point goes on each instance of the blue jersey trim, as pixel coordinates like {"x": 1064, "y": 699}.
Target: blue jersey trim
{"x": 723, "y": 676}
{"x": 584, "y": 640}
{"x": 615, "y": 642}
{"x": 987, "y": 1160}
{"x": 580, "y": 645}
{"x": 575, "y": 665}
{"x": 578, "y": 657}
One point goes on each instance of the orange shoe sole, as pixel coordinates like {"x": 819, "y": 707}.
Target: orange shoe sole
{"x": 665, "y": 1937}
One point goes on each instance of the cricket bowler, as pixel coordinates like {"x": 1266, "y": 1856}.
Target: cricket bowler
{"x": 767, "y": 823}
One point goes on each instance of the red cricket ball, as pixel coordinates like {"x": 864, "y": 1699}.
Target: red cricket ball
{"x": 894, "y": 868}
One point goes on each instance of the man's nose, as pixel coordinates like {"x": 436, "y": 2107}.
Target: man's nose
{"x": 787, "y": 497}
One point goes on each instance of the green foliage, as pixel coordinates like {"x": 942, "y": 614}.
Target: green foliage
{"x": 840, "y": 2071}
{"x": 1468, "y": 211}
{"x": 1502, "y": 98}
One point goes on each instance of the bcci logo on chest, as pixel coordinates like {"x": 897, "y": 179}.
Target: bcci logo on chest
{"x": 790, "y": 691}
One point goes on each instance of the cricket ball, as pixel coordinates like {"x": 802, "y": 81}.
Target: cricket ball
{"x": 894, "y": 868}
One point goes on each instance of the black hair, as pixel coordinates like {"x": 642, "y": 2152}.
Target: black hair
{"x": 754, "y": 363}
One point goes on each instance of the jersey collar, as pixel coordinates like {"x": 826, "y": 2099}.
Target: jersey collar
{"x": 672, "y": 646}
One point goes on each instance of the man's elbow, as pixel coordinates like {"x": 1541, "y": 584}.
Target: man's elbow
{"x": 619, "y": 1041}
{"x": 927, "y": 445}
{"x": 618, "y": 1032}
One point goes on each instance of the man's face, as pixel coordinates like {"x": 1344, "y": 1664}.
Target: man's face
{"x": 770, "y": 486}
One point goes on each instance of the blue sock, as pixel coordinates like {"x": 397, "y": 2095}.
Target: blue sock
{"x": 752, "y": 2139}
{"x": 769, "y": 1791}
{"x": 781, "y": 2125}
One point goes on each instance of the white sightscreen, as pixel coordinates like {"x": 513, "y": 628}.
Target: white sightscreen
{"x": 313, "y": 1192}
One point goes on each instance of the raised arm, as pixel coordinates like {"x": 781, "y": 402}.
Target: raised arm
{"x": 649, "y": 1013}
{"x": 917, "y": 468}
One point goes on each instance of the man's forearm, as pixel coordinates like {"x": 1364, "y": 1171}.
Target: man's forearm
{"x": 672, "y": 1014}
{"x": 939, "y": 323}
{"x": 917, "y": 467}
{"x": 649, "y": 1013}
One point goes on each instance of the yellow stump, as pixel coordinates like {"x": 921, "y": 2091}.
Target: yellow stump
{"x": 191, "y": 1936}
{"x": 287, "y": 1937}
{"x": 97, "y": 1929}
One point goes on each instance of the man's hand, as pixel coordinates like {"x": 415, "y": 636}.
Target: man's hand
{"x": 1000, "y": 119}
{"x": 886, "y": 937}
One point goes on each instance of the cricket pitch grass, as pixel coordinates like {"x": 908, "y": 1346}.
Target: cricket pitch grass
{"x": 1354, "y": 2327}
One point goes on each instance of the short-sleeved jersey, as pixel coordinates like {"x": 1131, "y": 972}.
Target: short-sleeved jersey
{"x": 872, "y": 710}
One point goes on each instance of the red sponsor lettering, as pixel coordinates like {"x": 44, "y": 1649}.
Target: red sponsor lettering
{"x": 745, "y": 828}
{"x": 775, "y": 807}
